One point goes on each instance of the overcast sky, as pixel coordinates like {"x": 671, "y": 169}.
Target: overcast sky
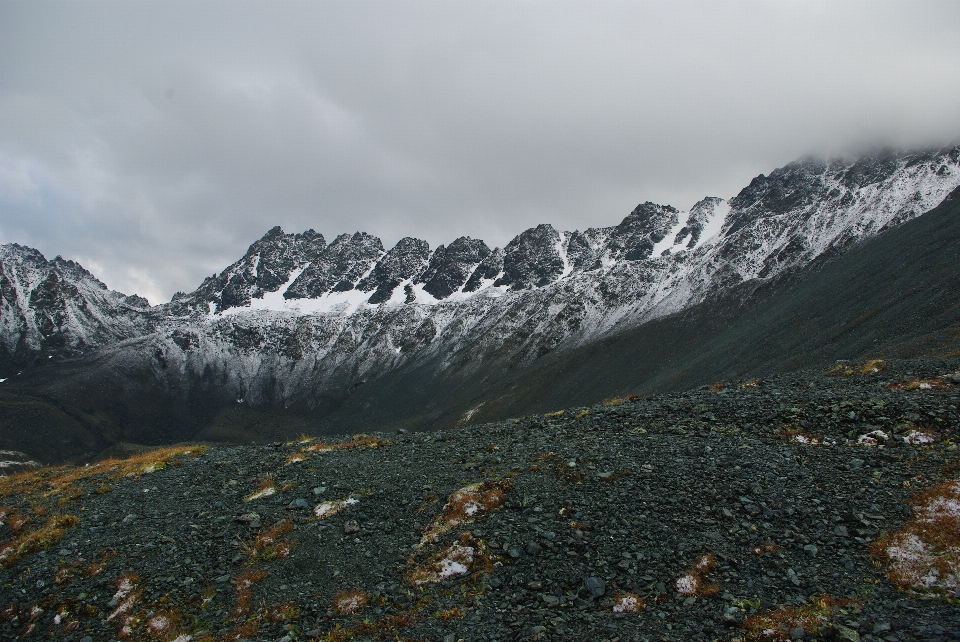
{"x": 153, "y": 142}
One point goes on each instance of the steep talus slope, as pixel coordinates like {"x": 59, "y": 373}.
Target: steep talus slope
{"x": 349, "y": 334}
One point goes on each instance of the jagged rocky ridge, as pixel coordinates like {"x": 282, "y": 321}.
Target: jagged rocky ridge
{"x": 58, "y": 308}
{"x": 298, "y": 323}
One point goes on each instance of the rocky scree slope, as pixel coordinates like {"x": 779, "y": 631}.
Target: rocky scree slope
{"x": 756, "y": 510}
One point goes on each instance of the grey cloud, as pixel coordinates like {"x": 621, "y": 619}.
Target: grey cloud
{"x": 154, "y": 141}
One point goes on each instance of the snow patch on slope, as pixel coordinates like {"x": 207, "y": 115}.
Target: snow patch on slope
{"x": 712, "y": 229}
{"x": 667, "y": 242}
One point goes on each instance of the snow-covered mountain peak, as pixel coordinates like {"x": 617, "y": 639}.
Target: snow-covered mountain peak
{"x": 294, "y": 308}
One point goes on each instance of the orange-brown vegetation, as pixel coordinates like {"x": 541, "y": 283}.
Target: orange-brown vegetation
{"x": 775, "y": 625}
{"x": 358, "y": 441}
{"x": 616, "y": 401}
{"x": 694, "y": 581}
{"x": 244, "y": 583}
{"x": 466, "y": 504}
{"x": 449, "y": 614}
{"x": 350, "y": 602}
{"x": 269, "y": 545}
{"x": 466, "y": 555}
{"x": 851, "y": 369}
{"x": 63, "y": 481}
{"x": 919, "y": 384}
{"x": 30, "y": 542}
{"x": 924, "y": 555}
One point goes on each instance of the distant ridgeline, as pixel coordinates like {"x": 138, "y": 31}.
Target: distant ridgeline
{"x": 301, "y": 335}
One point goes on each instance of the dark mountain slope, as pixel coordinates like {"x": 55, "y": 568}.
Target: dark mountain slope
{"x": 896, "y": 295}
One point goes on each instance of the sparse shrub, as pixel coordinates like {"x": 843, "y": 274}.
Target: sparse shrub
{"x": 466, "y": 504}
{"x": 848, "y": 370}
{"x": 694, "y": 581}
{"x": 30, "y": 542}
{"x": 924, "y": 555}
{"x": 775, "y": 625}
{"x": 350, "y": 602}
{"x": 268, "y": 545}
{"x": 244, "y": 583}
{"x": 284, "y": 612}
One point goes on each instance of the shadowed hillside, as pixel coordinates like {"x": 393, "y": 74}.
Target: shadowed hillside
{"x": 891, "y": 296}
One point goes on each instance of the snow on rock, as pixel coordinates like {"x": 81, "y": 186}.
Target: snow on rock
{"x": 278, "y": 323}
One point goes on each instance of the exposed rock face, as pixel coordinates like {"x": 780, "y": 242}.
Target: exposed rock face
{"x": 266, "y": 266}
{"x": 407, "y": 258}
{"x": 450, "y": 267}
{"x": 532, "y": 260}
{"x": 347, "y": 312}
{"x": 637, "y": 234}
{"x": 488, "y": 270}
{"x": 56, "y": 307}
{"x": 338, "y": 267}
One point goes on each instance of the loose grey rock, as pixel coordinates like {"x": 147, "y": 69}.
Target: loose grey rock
{"x": 595, "y": 586}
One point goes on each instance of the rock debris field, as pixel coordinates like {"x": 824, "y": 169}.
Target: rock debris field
{"x": 808, "y": 506}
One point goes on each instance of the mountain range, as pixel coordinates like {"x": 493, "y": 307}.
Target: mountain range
{"x": 816, "y": 261}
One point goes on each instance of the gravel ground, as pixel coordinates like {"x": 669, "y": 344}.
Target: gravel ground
{"x": 585, "y": 515}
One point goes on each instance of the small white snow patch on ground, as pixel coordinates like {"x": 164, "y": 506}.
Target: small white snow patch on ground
{"x": 332, "y": 507}
{"x": 158, "y": 623}
{"x": 873, "y": 438}
{"x": 455, "y": 560}
{"x": 922, "y": 556}
{"x": 918, "y": 437}
{"x": 688, "y": 584}
{"x": 628, "y": 604}
{"x": 260, "y": 494}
